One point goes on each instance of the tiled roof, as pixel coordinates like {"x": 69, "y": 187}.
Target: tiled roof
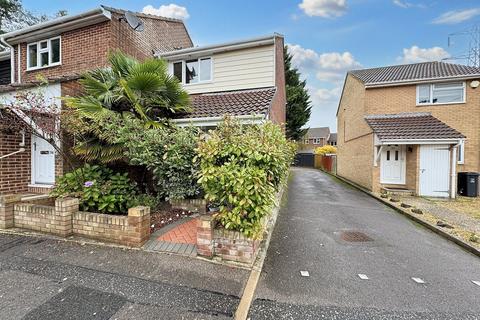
{"x": 321, "y": 132}
{"x": 333, "y": 137}
{"x": 414, "y": 72}
{"x": 410, "y": 126}
{"x": 233, "y": 103}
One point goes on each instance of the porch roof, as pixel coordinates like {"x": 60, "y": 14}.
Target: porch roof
{"x": 233, "y": 103}
{"x": 415, "y": 126}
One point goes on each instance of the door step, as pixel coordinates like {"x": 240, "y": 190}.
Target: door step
{"x": 397, "y": 191}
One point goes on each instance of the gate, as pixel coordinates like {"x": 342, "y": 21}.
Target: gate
{"x": 305, "y": 160}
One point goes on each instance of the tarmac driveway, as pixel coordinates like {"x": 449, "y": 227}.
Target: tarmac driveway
{"x": 312, "y": 234}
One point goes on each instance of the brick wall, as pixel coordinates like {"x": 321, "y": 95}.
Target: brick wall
{"x": 226, "y": 244}
{"x": 15, "y": 174}
{"x": 278, "y": 109}
{"x": 132, "y": 230}
{"x": 64, "y": 220}
{"x": 55, "y": 220}
{"x": 354, "y": 139}
{"x": 82, "y": 50}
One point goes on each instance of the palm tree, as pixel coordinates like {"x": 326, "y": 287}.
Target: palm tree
{"x": 142, "y": 89}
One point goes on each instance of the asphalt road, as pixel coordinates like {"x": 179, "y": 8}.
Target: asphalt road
{"x": 50, "y": 279}
{"x": 309, "y": 236}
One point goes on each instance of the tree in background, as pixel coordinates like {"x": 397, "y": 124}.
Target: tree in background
{"x": 298, "y": 100}
{"x": 14, "y": 16}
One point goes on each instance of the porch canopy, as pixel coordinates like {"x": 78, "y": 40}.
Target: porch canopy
{"x": 411, "y": 128}
{"x": 248, "y": 106}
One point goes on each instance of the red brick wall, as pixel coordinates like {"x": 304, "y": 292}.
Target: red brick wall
{"x": 277, "y": 112}
{"x": 87, "y": 48}
{"x": 15, "y": 174}
{"x": 82, "y": 49}
{"x": 159, "y": 34}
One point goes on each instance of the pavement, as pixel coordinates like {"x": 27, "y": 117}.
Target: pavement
{"x": 43, "y": 278}
{"x": 310, "y": 236}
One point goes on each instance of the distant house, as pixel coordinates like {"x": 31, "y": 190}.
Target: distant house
{"x": 332, "y": 140}
{"x": 315, "y": 138}
{"x": 410, "y": 127}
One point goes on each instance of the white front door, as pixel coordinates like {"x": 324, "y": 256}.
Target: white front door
{"x": 434, "y": 170}
{"x": 393, "y": 165}
{"x": 43, "y": 162}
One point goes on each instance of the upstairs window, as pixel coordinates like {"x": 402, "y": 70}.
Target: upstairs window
{"x": 193, "y": 71}
{"x": 317, "y": 141}
{"x": 45, "y": 53}
{"x": 441, "y": 93}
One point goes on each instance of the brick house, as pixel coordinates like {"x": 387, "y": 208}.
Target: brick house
{"x": 410, "y": 127}
{"x": 62, "y": 49}
{"x": 314, "y": 138}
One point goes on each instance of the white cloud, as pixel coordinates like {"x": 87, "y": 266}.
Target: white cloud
{"x": 456, "y": 16}
{"x": 325, "y": 73}
{"x": 416, "y": 54}
{"x": 324, "y": 8}
{"x": 405, "y": 4}
{"x": 169, "y": 11}
{"x": 328, "y": 67}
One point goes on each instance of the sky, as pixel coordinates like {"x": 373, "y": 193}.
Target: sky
{"x": 326, "y": 37}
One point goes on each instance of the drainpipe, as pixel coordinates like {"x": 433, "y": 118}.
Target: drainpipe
{"x": 22, "y": 149}
{"x": 12, "y": 58}
{"x": 453, "y": 172}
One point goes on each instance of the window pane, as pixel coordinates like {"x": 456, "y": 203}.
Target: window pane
{"x": 388, "y": 155}
{"x": 424, "y": 94}
{"x": 447, "y": 96}
{"x": 191, "y": 71}
{"x": 177, "y": 70}
{"x": 44, "y": 59}
{"x": 449, "y": 85}
{"x": 205, "y": 69}
{"x": 43, "y": 45}
{"x": 396, "y": 155}
{"x": 32, "y": 55}
{"x": 460, "y": 152}
{"x": 55, "y": 47}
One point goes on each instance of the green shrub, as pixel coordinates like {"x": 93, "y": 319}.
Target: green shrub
{"x": 241, "y": 169}
{"x": 98, "y": 188}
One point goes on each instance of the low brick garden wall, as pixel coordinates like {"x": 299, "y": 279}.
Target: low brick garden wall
{"x": 64, "y": 219}
{"x": 226, "y": 244}
{"x": 194, "y": 205}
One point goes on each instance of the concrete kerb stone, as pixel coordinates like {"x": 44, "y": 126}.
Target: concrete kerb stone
{"x": 465, "y": 245}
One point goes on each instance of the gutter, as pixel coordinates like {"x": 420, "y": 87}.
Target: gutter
{"x": 429, "y": 80}
{"x": 223, "y": 47}
{"x": 205, "y": 121}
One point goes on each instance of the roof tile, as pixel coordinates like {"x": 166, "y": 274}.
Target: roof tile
{"x": 414, "y": 72}
{"x": 411, "y": 126}
{"x": 233, "y": 103}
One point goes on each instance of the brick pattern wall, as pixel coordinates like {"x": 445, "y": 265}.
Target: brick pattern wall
{"x": 226, "y": 244}
{"x": 132, "y": 230}
{"x": 159, "y": 34}
{"x": 82, "y": 50}
{"x": 354, "y": 139}
{"x": 15, "y": 174}
{"x": 55, "y": 220}
{"x": 278, "y": 109}
{"x": 194, "y": 205}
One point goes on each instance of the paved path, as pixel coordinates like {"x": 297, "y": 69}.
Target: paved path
{"x": 49, "y": 279}
{"x": 179, "y": 237}
{"x": 309, "y": 236}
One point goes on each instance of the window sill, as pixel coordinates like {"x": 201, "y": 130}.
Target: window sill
{"x": 197, "y": 83}
{"x": 46, "y": 67}
{"x": 439, "y": 104}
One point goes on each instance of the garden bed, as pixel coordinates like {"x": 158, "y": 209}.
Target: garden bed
{"x": 165, "y": 215}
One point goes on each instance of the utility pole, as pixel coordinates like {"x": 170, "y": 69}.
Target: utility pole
{"x": 472, "y": 36}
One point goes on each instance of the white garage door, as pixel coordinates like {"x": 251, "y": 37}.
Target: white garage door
{"x": 435, "y": 170}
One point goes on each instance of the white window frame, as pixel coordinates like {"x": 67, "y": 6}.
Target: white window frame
{"x": 317, "y": 140}
{"x": 461, "y": 152}
{"x": 184, "y": 66}
{"x": 307, "y": 141}
{"x": 40, "y": 51}
{"x": 432, "y": 86}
